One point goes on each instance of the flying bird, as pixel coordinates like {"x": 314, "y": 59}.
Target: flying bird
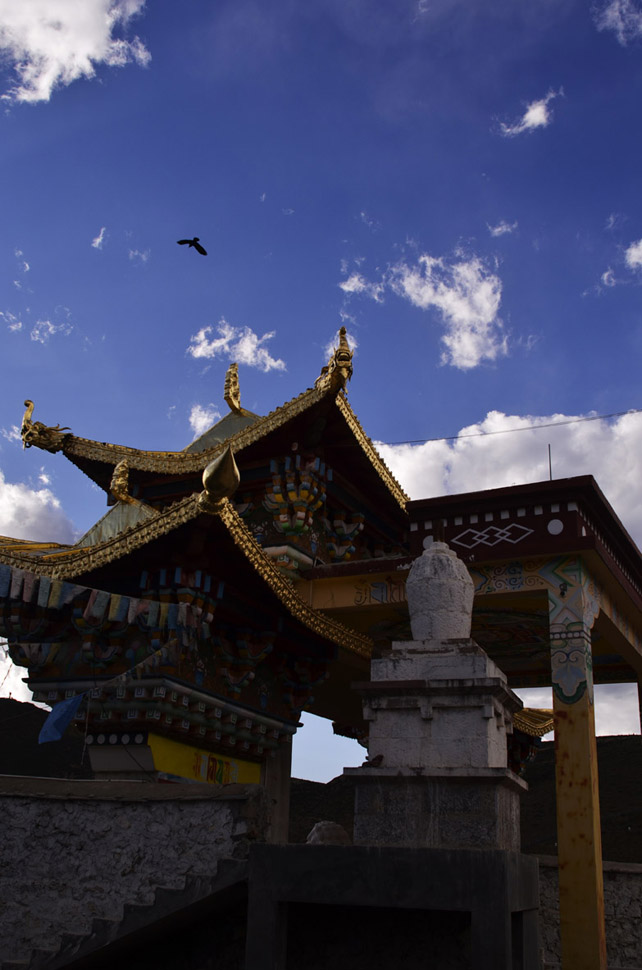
{"x": 193, "y": 243}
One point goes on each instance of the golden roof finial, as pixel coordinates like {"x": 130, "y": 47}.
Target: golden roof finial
{"x": 232, "y": 391}
{"x": 339, "y": 368}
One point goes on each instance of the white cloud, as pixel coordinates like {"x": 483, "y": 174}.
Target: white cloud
{"x": 44, "y": 329}
{"x": 614, "y": 221}
{"x": 240, "y": 344}
{"x": 18, "y": 253}
{"x": 537, "y": 115}
{"x": 633, "y": 255}
{"x": 356, "y": 283}
{"x": 11, "y": 676}
{"x": 467, "y": 295}
{"x": 202, "y": 417}
{"x": 12, "y": 434}
{"x": 27, "y": 513}
{"x": 97, "y": 243}
{"x": 372, "y": 224}
{"x": 611, "y": 451}
{"x": 608, "y": 278}
{"x": 287, "y": 212}
{"x": 142, "y": 255}
{"x": 623, "y": 17}
{"x": 502, "y": 228}
{"x": 616, "y": 707}
{"x": 262, "y": 197}
{"x": 55, "y": 42}
{"x": 13, "y": 322}
{"x": 347, "y": 319}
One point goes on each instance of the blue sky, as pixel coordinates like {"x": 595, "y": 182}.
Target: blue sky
{"x": 456, "y": 182}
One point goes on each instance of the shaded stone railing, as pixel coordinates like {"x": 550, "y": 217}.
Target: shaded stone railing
{"x": 622, "y": 910}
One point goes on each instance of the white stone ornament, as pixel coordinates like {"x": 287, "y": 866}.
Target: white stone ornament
{"x": 440, "y": 595}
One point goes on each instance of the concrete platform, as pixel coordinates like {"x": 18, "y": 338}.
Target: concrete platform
{"x": 499, "y": 891}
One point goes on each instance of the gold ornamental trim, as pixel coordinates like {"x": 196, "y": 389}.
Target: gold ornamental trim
{"x": 535, "y": 721}
{"x": 332, "y": 382}
{"x": 317, "y": 622}
{"x": 185, "y": 462}
{"x": 372, "y": 454}
{"x": 28, "y": 563}
{"x": 72, "y": 562}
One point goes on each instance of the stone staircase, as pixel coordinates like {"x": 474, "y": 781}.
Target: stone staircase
{"x": 71, "y": 948}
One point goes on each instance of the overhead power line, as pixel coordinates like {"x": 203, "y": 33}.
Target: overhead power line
{"x": 527, "y": 427}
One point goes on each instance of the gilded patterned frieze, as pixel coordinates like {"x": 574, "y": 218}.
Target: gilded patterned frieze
{"x": 574, "y": 602}
{"x": 561, "y": 577}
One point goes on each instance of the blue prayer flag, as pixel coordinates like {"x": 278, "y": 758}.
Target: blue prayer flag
{"x": 59, "y": 719}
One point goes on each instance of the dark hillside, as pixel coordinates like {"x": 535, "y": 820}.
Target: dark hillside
{"x": 20, "y": 753}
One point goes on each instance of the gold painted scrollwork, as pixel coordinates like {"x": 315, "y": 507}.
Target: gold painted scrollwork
{"x": 39, "y": 435}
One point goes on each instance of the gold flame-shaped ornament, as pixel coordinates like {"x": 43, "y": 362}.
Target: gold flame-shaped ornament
{"x": 221, "y": 478}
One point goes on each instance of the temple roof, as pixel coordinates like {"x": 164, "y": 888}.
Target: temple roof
{"x": 85, "y": 563}
{"x": 199, "y": 482}
{"x": 226, "y": 428}
{"x": 239, "y": 430}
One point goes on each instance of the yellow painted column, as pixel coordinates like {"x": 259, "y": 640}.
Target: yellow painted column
{"x": 572, "y": 611}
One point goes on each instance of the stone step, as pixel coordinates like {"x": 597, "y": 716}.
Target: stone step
{"x": 104, "y": 932}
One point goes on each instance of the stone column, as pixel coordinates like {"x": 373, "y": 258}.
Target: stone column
{"x": 275, "y": 777}
{"x": 572, "y": 612}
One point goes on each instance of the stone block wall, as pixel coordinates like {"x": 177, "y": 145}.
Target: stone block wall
{"x": 622, "y": 909}
{"x": 74, "y": 850}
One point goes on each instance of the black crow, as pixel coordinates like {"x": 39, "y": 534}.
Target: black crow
{"x": 193, "y": 242}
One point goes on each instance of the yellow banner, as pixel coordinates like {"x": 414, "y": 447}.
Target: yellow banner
{"x": 195, "y": 764}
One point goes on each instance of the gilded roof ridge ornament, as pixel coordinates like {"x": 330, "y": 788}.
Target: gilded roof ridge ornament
{"x": 232, "y": 390}
{"x": 39, "y": 435}
{"x": 338, "y": 371}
